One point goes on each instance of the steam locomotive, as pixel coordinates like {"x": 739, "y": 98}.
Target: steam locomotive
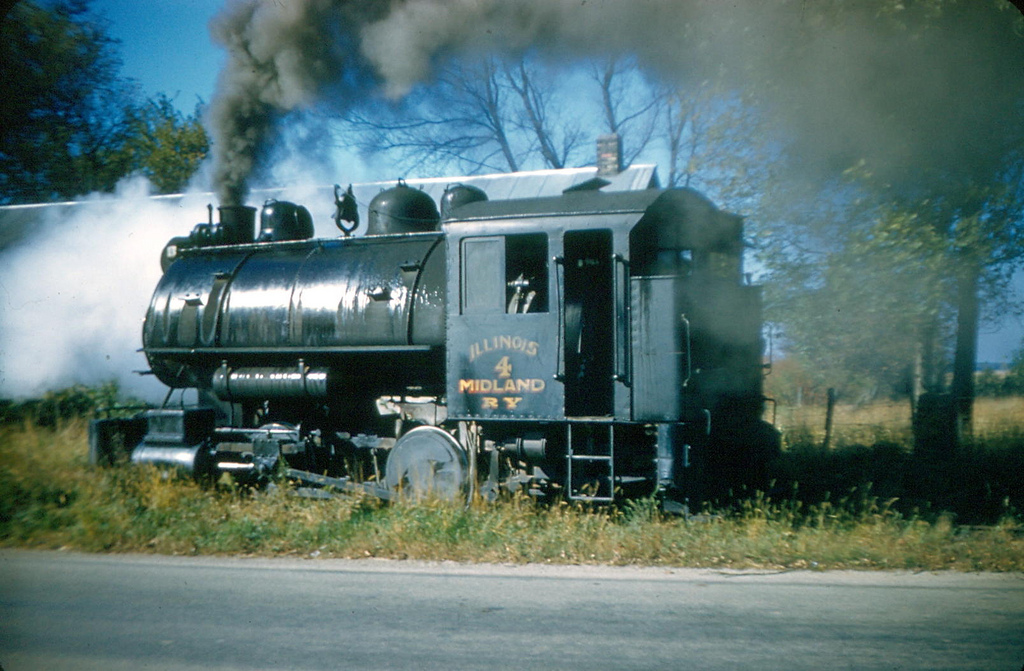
{"x": 591, "y": 346}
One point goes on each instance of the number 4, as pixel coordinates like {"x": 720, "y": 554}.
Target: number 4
{"x": 504, "y": 368}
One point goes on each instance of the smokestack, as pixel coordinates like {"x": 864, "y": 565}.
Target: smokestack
{"x": 237, "y": 224}
{"x": 609, "y": 155}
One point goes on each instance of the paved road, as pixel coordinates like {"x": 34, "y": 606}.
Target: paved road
{"x": 61, "y": 611}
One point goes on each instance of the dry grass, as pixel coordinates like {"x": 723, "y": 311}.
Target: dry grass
{"x": 994, "y": 418}
{"x": 998, "y": 416}
{"x": 51, "y": 498}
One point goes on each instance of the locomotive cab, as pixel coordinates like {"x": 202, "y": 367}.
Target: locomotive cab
{"x": 637, "y": 332}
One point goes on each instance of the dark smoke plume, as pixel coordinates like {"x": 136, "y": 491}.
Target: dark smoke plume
{"x": 875, "y": 80}
{"x": 283, "y": 56}
{"x": 903, "y": 85}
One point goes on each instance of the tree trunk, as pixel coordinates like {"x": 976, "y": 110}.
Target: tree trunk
{"x": 966, "y": 355}
{"x": 931, "y": 365}
{"x": 916, "y": 380}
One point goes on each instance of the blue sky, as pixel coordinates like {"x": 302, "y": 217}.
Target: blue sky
{"x": 166, "y": 47}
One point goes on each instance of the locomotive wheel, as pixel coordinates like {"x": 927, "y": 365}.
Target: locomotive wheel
{"x": 427, "y": 462}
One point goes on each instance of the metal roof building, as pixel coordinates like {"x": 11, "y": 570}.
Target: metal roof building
{"x": 16, "y": 221}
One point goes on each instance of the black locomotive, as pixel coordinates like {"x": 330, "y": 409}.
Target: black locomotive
{"x": 591, "y": 345}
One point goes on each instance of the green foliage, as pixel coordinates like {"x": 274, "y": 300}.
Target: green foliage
{"x": 879, "y": 271}
{"x": 63, "y": 111}
{"x": 1000, "y": 383}
{"x": 791, "y": 383}
{"x": 69, "y": 123}
{"x": 995, "y": 384}
{"x": 1014, "y": 380}
{"x": 856, "y": 311}
{"x": 62, "y": 405}
{"x": 870, "y": 286}
{"x": 167, "y": 146}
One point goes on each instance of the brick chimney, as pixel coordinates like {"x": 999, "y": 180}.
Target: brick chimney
{"x": 609, "y": 155}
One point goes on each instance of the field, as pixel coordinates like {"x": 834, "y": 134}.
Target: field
{"x": 871, "y": 455}
{"x": 867, "y": 503}
{"x": 995, "y": 420}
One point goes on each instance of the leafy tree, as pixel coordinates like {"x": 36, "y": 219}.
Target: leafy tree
{"x": 69, "y": 123}
{"x": 1013, "y": 383}
{"x": 64, "y": 113}
{"x": 858, "y": 301}
{"x": 165, "y": 145}
{"x": 926, "y": 234}
{"x": 869, "y": 286}
{"x": 718, "y": 141}
{"x": 984, "y": 225}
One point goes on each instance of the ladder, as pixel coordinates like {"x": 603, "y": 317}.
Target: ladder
{"x": 591, "y": 462}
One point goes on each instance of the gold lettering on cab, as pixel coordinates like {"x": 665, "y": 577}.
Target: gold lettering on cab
{"x": 510, "y": 386}
{"x": 493, "y": 389}
{"x": 505, "y": 343}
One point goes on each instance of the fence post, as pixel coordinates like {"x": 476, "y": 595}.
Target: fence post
{"x": 829, "y": 416}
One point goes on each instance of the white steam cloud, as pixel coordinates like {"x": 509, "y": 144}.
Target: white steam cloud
{"x": 74, "y": 291}
{"x": 74, "y": 294}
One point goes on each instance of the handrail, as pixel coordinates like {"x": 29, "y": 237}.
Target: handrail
{"x": 560, "y": 331}
{"x": 686, "y": 335}
{"x": 621, "y": 315}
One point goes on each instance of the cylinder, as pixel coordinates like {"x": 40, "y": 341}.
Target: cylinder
{"x": 269, "y": 382}
{"x": 194, "y": 460}
{"x": 530, "y": 448}
{"x": 386, "y": 291}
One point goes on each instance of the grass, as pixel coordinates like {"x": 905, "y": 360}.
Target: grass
{"x": 51, "y": 498}
{"x": 995, "y": 419}
{"x": 873, "y": 454}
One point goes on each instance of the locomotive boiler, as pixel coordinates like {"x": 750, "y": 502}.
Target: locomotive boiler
{"x": 590, "y": 345}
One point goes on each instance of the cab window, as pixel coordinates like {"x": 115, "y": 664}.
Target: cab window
{"x": 505, "y": 274}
